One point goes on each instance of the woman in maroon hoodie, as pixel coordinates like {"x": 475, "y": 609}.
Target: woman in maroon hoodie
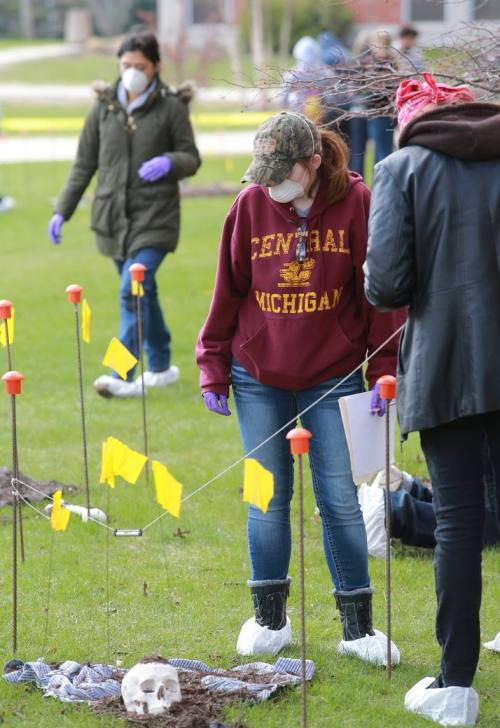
{"x": 288, "y": 320}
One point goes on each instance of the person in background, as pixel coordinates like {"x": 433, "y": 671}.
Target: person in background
{"x": 287, "y": 323}
{"x": 409, "y": 59}
{"x": 139, "y": 141}
{"x": 335, "y": 102}
{"x": 301, "y": 84}
{"x": 373, "y": 56}
{"x": 434, "y": 245}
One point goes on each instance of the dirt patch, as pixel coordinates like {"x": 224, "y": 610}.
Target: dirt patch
{"x": 199, "y": 707}
{"x": 45, "y": 487}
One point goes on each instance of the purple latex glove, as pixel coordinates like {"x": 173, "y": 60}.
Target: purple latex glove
{"x": 377, "y": 404}
{"x": 54, "y": 229}
{"x": 155, "y": 168}
{"x": 216, "y": 403}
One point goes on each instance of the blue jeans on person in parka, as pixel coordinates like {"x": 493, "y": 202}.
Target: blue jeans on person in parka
{"x": 154, "y": 329}
{"x": 261, "y": 411}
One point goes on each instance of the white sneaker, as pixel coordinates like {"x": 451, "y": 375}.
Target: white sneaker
{"x": 254, "y": 639}
{"x": 108, "y": 386}
{"x": 371, "y": 648}
{"x": 7, "y": 203}
{"x": 161, "y": 379}
{"x": 447, "y": 706}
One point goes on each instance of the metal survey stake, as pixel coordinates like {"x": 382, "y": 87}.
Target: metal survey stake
{"x": 75, "y": 296}
{"x": 137, "y": 275}
{"x": 6, "y": 313}
{"x": 388, "y": 393}
{"x": 13, "y": 385}
{"x": 299, "y": 445}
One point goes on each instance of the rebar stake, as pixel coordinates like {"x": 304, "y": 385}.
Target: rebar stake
{"x": 137, "y": 275}
{"x": 13, "y": 385}
{"x": 75, "y": 296}
{"x": 388, "y": 392}
{"x": 299, "y": 445}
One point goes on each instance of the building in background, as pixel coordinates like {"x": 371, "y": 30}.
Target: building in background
{"x": 433, "y": 17}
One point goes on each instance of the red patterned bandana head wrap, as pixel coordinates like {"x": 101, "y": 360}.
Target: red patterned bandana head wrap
{"x": 413, "y": 95}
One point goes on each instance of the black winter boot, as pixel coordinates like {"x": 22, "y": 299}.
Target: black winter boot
{"x": 269, "y": 601}
{"x": 355, "y": 609}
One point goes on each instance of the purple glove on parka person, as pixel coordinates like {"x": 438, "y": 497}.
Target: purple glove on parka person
{"x": 377, "y": 404}
{"x": 216, "y": 403}
{"x": 54, "y": 230}
{"x": 155, "y": 168}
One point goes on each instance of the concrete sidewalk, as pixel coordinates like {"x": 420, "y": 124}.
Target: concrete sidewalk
{"x": 19, "y": 54}
{"x": 18, "y": 149}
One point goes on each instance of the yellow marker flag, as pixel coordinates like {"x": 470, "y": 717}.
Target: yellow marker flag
{"x": 86, "y": 320}
{"x": 119, "y": 358}
{"x": 119, "y": 459}
{"x": 107, "y": 470}
{"x": 258, "y": 486}
{"x": 10, "y": 327}
{"x": 168, "y": 489}
{"x": 59, "y": 515}
{"x": 137, "y": 289}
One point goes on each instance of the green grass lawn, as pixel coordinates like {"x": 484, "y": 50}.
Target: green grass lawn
{"x": 180, "y": 596}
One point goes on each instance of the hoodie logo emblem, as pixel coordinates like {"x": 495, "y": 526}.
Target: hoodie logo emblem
{"x": 295, "y": 274}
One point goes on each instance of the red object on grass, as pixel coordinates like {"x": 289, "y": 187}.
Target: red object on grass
{"x": 299, "y": 441}
{"x": 5, "y": 309}
{"x": 13, "y": 382}
{"x": 74, "y": 293}
{"x": 137, "y": 271}
{"x": 387, "y": 386}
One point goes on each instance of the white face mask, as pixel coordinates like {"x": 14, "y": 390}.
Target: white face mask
{"x": 286, "y": 191}
{"x": 134, "y": 81}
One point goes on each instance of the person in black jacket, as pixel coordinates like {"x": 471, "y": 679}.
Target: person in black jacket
{"x": 434, "y": 245}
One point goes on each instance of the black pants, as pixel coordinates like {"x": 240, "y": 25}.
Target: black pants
{"x": 454, "y": 454}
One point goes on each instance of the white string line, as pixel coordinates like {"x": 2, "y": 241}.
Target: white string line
{"x": 239, "y": 460}
{"x": 46, "y": 495}
{"x": 284, "y": 427}
{"x": 40, "y": 513}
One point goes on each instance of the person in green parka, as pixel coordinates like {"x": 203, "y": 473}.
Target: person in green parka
{"x": 139, "y": 141}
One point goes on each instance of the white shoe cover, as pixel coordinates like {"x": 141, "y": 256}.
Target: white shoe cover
{"x": 395, "y": 478}
{"x": 161, "y": 379}
{"x": 446, "y": 706}
{"x": 494, "y": 644}
{"x": 254, "y": 639}
{"x": 372, "y": 504}
{"x": 108, "y": 386}
{"x": 370, "y": 649}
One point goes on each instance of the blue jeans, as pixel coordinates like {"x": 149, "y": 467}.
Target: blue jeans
{"x": 380, "y": 130}
{"x": 261, "y": 411}
{"x": 154, "y": 329}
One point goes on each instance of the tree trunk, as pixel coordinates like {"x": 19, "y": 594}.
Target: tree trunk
{"x": 285, "y": 32}
{"x": 26, "y": 22}
{"x": 257, "y": 38}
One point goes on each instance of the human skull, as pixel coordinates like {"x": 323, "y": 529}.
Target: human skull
{"x": 150, "y": 688}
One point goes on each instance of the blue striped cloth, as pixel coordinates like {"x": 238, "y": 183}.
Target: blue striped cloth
{"x": 72, "y": 682}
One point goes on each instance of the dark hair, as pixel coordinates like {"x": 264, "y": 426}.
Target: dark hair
{"x": 408, "y": 31}
{"x": 334, "y": 161}
{"x": 143, "y": 41}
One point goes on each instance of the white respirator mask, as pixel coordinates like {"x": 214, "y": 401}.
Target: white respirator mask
{"x": 134, "y": 81}
{"x": 286, "y": 191}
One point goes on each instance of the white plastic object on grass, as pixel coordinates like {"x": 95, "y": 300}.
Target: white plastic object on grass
{"x": 150, "y": 688}
{"x": 372, "y": 648}
{"x": 93, "y": 513}
{"x": 372, "y": 502}
{"x": 255, "y": 640}
{"x": 446, "y": 706}
{"x": 494, "y": 644}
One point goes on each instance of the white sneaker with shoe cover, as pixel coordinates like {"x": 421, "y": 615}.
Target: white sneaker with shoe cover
{"x": 108, "y": 386}
{"x": 161, "y": 379}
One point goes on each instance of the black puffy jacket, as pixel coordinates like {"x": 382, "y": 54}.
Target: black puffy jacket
{"x": 434, "y": 245}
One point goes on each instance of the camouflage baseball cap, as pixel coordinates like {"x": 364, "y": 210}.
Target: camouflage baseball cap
{"x": 280, "y": 142}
